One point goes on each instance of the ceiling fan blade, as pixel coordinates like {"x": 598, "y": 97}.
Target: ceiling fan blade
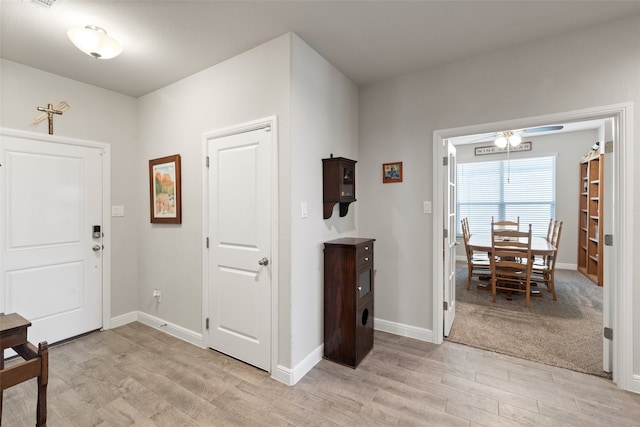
{"x": 543, "y": 129}
{"x": 484, "y": 138}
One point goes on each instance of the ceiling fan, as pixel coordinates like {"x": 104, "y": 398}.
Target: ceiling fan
{"x": 514, "y": 137}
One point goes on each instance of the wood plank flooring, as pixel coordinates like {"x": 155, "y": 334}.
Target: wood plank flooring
{"x": 136, "y": 375}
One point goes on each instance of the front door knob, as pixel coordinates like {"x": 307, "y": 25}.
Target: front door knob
{"x": 96, "y": 248}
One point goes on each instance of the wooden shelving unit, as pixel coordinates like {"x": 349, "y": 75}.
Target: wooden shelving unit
{"x": 590, "y": 223}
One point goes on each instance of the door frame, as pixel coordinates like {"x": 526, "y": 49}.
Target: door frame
{"x": 450, "y": 242}
{"x": 106, "y": 201}
{"x": 620, "y": 267}
{"x": 272, "y": 122}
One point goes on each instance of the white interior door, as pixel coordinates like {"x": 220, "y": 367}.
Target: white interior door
{"x": 607, "y": 297}
{"x": 450, "y": 241}
{"x": 239, "y": 249}
{"x": 51, "y": 263}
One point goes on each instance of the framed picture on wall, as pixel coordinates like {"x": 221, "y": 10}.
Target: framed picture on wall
{"x": 391, "y": 172}
{"x": 165, "y": 190}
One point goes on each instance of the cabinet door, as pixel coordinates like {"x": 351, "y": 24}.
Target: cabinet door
{"x": 347, "y": 182}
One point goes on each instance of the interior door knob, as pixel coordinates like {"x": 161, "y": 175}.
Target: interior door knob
{"x": 96, "y": 248}
{"x": 263, "y": 261}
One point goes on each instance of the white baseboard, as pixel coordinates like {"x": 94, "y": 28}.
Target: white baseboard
{"x": 292, "y": 376}
{"x": 184, "y": 334}
{"x": 283, "y": 374}
{"x": 403, "y": 330}
{"x": 124, "y": 319}
{"x": 177, "y": 331}
{"x": 635, "y": 384}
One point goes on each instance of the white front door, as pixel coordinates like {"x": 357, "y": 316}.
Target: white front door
{"x": 240, "y": 245}
{"x": 51, "y": 263}
{"x": 450, "y": 241}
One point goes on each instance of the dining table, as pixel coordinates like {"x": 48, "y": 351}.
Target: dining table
{"x": 540, "y": 246}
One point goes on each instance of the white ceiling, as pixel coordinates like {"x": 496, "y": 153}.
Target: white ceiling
{"x": 165, "y": 41}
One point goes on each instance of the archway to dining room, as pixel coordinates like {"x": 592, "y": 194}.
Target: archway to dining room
{"x": 507, "y": 325}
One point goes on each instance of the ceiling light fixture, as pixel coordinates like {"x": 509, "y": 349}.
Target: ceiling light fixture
{"x": 508, "y": 137}
{"x": 95, "y": 42}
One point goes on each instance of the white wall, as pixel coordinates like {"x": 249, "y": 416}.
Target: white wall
{"x": 250, "y": 86}
{"x": 317, "y": 110}
{"x": 96, "y": 115}
{"x": 568, "y": 149}
{"x": 324, "y": 120}
{"x": 583, "y": 69}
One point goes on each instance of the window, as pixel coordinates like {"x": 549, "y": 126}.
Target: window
{"x": 524, "y": 188}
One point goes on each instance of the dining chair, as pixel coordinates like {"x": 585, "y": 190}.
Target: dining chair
{"x": 510, "y": 261}
{"x": 515, "y": 225}
{"x": 545, "y": 272}
{"x": 542, "y": 260}
{"x": 550, "y": 228}
{"x": 477, "y": 262}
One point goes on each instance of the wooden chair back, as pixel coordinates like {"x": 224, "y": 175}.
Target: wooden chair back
{"x": 465, "y": 229}
{"x": 550, "y": 229}
{"x": 545, "y": 271}
{"x": 555, "y": 236}
{"x": 511, "y": 261}
{"x": 477, "y": 264}
{"x": 555, "y": 241}
{"x": 515, "y": 225}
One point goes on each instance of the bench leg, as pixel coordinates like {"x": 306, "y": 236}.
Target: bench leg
{"x": 1, "y": 391}
{"x": 43, "y": 380}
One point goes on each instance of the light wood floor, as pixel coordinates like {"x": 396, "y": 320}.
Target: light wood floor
{"x": 137, "y": 375}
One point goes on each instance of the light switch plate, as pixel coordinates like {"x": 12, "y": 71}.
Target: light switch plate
{"x": 117, "y": 210}
{"x": 426, "y": 207}
{"x": 304, "y": 210}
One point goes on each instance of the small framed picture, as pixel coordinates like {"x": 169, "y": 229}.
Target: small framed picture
{"x": 391, "y": 172}
{"x": 165, "y": 190}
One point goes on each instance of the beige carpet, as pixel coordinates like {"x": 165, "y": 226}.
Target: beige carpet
{"x": 565, "y": 333}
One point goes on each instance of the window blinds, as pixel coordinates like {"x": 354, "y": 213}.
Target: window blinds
{"x": 506, "y": 190}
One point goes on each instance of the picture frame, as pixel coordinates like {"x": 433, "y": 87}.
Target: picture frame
{"x": 165, "y": 190}
{"x": 492, "y": 149}
{"x": 391, "y": 172}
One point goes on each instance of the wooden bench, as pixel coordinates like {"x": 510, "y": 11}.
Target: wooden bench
{"x": 13, "y": 334}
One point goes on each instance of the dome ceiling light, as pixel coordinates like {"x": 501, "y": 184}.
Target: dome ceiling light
{"x": 95, "y": 42}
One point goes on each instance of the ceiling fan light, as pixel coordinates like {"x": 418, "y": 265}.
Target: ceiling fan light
{"x": 501, "y": 141}
{"x": 515, "y": 140}
{"x": 95, "y": 42}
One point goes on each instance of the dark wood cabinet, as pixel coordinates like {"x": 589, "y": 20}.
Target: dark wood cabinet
{"x": 338, "y": 184}
{"x": 348, "y": 300}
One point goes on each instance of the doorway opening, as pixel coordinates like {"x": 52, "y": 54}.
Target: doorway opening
{"x": 621, "y": 225}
